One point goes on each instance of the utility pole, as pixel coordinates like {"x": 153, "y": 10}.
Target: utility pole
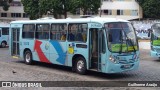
{"x": 100, "y": 13}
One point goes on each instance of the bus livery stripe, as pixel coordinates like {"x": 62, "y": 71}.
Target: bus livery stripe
{"x": 60, "y": 52}
{"x": 41, "y": 55}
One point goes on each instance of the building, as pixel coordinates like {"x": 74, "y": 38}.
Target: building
{"x": 15, "y": 12}
{"x": 124, "y": 9}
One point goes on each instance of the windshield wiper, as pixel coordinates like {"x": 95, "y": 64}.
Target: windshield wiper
{"x": 129, "y": 40}
{"x": 121, "y": 43}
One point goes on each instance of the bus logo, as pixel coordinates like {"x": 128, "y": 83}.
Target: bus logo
{"x": 47, "y": 46}
{"x": 6, "y": 84}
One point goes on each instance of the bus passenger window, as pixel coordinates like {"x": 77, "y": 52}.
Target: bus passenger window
{"x": 28, "y": 31}
{"x": 77, "y": 32}
{"x": 58, "y": 31}
{"x": 42, "y": 31}
{"x": 5, "y": 31}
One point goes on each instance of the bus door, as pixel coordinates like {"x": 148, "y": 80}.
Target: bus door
{"x": 15, "y": 33}
{"x": 96, "y": 49}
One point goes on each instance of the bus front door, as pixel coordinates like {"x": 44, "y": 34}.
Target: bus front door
{"x": 96, "y": 49}
{"x": 15, "y": 33}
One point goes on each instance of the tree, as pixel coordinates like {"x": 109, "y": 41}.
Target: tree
{"x": 56, "y": 7}
{"x": 31, "y": 7}
{"x": 37, "y": 8}
{"x": 5, "y": 4}
{"x": 51, "y": 6}
{"x": 87, "y": 5}
{"x": 150, "y": 8}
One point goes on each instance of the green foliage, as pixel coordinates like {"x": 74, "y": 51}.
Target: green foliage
{"x": 150, "y": 8}
{"x": 37, "y": 8}
{"x": 87, "y": 5}
{"x": 5, "y": 4}
{"x": 31, "y": 7}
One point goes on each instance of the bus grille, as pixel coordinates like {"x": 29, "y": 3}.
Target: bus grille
{"x": 158, "y": 50}
{"x": 126, "y": 62}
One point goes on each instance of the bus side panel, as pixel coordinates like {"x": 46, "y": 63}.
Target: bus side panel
{"x": 41, "y": 51}
{"x": 4, "y": 38}
{"x": 27, "y": 44}
{"x": 58, "y": 52}
{"x": 39, "y": 48}
{"x": 84, "y": 52}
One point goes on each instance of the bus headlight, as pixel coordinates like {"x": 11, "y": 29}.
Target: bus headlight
{"x": 112, "y": 59}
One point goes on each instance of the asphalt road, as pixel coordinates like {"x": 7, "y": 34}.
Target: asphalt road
{"x": 15, "y": 70}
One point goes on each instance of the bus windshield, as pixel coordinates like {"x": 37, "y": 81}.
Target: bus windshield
{"x": 155, "y": 38}
{"x": 121, "y": 37}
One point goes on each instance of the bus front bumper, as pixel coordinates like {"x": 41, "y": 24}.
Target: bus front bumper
{"x": 117, "y": 68}
{"x": 154, "y": 54}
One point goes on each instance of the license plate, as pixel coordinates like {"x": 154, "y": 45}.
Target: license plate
{"x": 126, "y": 66}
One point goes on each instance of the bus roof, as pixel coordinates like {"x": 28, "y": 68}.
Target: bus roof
{"x": 70, "y": 20}
{"x": 3, "y": 24}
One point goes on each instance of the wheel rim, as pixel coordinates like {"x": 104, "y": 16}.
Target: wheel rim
{"x": 80, "y": 65}
{"x": 3, "y": 44}
{"x": 28, "y": 58}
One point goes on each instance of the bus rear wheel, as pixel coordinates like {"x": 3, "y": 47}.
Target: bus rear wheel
{"x": 80, "y": 65}
{"x": 28, "y": 57}
{"x": 3, "y": 44}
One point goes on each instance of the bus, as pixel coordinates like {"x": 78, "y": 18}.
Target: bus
{"x": 154, "y": 33}
{"x": 4, "y": 34}
{"x": 106, "y": 45}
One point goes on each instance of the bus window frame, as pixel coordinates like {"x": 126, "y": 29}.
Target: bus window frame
{"x": 4, "y": 29}
{"x": 36, "y": 28}
{"x": 33, "y": 31}
{"x": 87, "y": 31}
{"x": 66, "y": 31}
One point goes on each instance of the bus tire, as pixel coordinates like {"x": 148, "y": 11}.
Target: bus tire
{"x": 80, "y": 65}
{"x": 28, "y": 57}
{"x": 3, "y": 44}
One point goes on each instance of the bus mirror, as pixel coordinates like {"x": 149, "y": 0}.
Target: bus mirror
{"x": 149, "y": 32}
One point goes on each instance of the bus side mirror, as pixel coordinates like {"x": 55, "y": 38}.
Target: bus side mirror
{"x": 149, "y": 32}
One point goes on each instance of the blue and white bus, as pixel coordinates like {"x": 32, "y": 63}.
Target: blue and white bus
{"x": 105, "y": 45}
{"x": 155, "y": 40}
{"x": 4, "y": 34}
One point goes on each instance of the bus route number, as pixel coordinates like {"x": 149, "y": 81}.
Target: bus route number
{"x": 96, "y": 25}
{"x": 26, "y": 43}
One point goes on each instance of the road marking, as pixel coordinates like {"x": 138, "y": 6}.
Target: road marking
{"x": 15, "y": 57}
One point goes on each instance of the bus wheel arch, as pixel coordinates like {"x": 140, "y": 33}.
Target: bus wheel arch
{"x": 3, "y": 44}
{"x": 79, "y": 64}
{"x": 27, "y": 54}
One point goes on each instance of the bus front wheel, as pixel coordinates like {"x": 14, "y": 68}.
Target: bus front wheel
{"x": 3, "y": 44}
{"x": 80, "y": 65}
{"x": 28, "y": 57}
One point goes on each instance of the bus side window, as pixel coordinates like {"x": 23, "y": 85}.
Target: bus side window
{"x": 28, "y": 31}
{"x": 42, "y": 31}
{"x": 58, "y": 31}
{"x": 71, "y": 33}
{"x": 77, "y": 32}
